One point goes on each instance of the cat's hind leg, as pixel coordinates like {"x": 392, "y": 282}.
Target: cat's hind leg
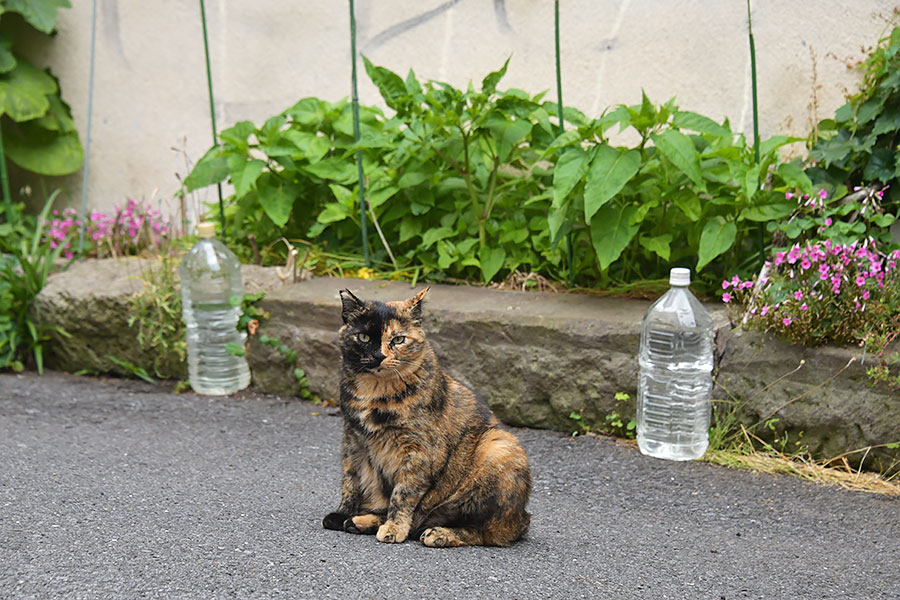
{"x": 451, "y": 537}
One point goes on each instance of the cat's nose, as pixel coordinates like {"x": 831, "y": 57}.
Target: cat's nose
{"x": 378, "y": 358}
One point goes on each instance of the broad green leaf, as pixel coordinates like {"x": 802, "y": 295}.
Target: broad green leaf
{"x": 717, "y": 237}
{"x": 679, "y": 149}
{"x": 556, "y": 219}
{"x": 245, "y": 175}
{"x": 688, "y": 202}
{"x": 58, "y": 117}
{"x": 748, "y": 180}
{"x": 767, "y": 212}
{"x": 391, "y": 86}
{"x": 333, "y": 212}
{"x": 411, "y": 179}
{"x": 335, "y": 168}
{"x": 379, "y": 196}
{"x": 42, "y": 151}
{"x": 435, "y": 234}
{"x": 777, "y": 141}
{"x": 343, "y": 195}
{"x": 611, "y": 232}
{"x": 566, "y": 138}
{"x": 40, "y": 14}
{"x": 7, "y": 58}
{"x": 24, "y": 91}
{"x": 610, "y": 170}
{"x": 212, "y": 168}
{"x": 489, "y": 83}
{"x": 508, "y": 134}
{"x": 699, "y": 123}
{"x": 887, "y": 121}
{"x": 409, "y": 228}
{"x": 309, "y": 112}
{"x": 794, "y": 176}
{"x": 491, "y": 261}
{"x": 659, "y": 244}
{"x": 880, "y": 165}
{"x": 238, "y": 134}
{"x": 569, "y": 170}
{"x": 276, "y": 196}
{"x": 312, "y": 146}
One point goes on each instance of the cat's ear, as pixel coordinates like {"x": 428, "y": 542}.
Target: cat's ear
{"x": 351, "y": 306}
{"x": 414, "y": 305}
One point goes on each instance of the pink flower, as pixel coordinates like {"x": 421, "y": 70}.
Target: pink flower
{"x": 860, "y": 281}
{"x": 823, "y": 194}
{"x": 786, "y": 321}
{"x": 828, "y": 222}
{"x": 726, "y": 297}
{"x": 725, "y": 284}
{"x": 804, "y": 306}
{"x": 798, "y": 295}
{"x": 805, "y": 264}
{"x": 764, "y": 311}
{"x": 788, "y": 195}
{"x": 866, "y": 295}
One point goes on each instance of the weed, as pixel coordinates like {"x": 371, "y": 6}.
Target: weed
{"x": 156, "y": 310}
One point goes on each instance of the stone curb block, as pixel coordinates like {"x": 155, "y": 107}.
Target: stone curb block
{"x": 536, "y": 357}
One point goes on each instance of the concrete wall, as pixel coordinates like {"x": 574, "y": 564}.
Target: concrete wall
{"x": 150, "y": 82}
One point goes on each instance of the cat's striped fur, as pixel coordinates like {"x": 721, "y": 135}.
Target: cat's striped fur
{"x": 422, "y": 455}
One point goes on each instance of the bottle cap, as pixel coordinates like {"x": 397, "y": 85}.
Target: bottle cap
{"x": 205, "y": 229}
{"x": 680, "y": 276}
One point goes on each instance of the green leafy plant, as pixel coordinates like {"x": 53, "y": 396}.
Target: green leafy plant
{"x": 688, "y": 192}
{"x": 156, "y": 313}
{"x": 477, "y": 183}
{"x": 26, "y": 262}
{"x": 38, "y": 132}
{"x": 860, "y": 144}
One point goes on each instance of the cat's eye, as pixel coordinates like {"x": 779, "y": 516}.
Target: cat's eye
{"x": 363, "y": 337}
{"x": 398, "y": 339}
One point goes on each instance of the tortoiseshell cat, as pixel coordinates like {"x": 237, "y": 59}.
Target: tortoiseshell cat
{"x": 421, "y": 454}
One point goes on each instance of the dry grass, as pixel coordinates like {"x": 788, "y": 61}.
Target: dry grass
{"x": 836, "y": 471}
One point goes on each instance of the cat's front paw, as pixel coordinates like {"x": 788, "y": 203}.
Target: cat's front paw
{"x": 392, "y": 533}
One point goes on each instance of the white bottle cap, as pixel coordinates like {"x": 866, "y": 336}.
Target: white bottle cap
{"x": 205, "y": 229}
{"x": 680, "y": 276}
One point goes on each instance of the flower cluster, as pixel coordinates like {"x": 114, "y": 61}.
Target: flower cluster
{"x": 821, "y": 292}
{"x": 127, "y": 230}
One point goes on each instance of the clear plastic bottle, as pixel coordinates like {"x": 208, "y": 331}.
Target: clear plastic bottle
{"x": 210, "y": 276}
{"x": 675, "y": 381}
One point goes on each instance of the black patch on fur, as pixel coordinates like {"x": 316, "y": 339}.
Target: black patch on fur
{"x": 382, "y": 417}
{"x": 335, "y": 521}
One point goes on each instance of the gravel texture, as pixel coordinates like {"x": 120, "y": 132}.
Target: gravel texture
{"x": 118, "y": 489}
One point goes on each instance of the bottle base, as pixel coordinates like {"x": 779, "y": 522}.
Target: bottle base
{"x": 672, "y": 451}
{"x": 219, "y": 388}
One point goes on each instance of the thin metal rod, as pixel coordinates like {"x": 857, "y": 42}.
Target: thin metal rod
{"x": 212, "y": 107}
{"x": 87, "y": 141}
{"x": 356, "y": 135}
{"x": 4, "y": 181}
{"x": 760, "y": 235}
{"x": 561, "y": 128}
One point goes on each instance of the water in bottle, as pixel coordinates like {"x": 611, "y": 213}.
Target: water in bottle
{"x": 210, "y": 276}
{"x": 675, "y": 381}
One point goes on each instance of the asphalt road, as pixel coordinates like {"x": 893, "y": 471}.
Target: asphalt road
{"x": 118, "y": 489}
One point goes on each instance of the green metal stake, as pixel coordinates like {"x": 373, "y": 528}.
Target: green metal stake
{"x": 356, "y": 135}
{"x": 212, "y": 108}
{"x": 85, "y": 176}
{"x": 559, "y": 103}
{"x": 759, "y": 228}
{"x": 4, "y": 180}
